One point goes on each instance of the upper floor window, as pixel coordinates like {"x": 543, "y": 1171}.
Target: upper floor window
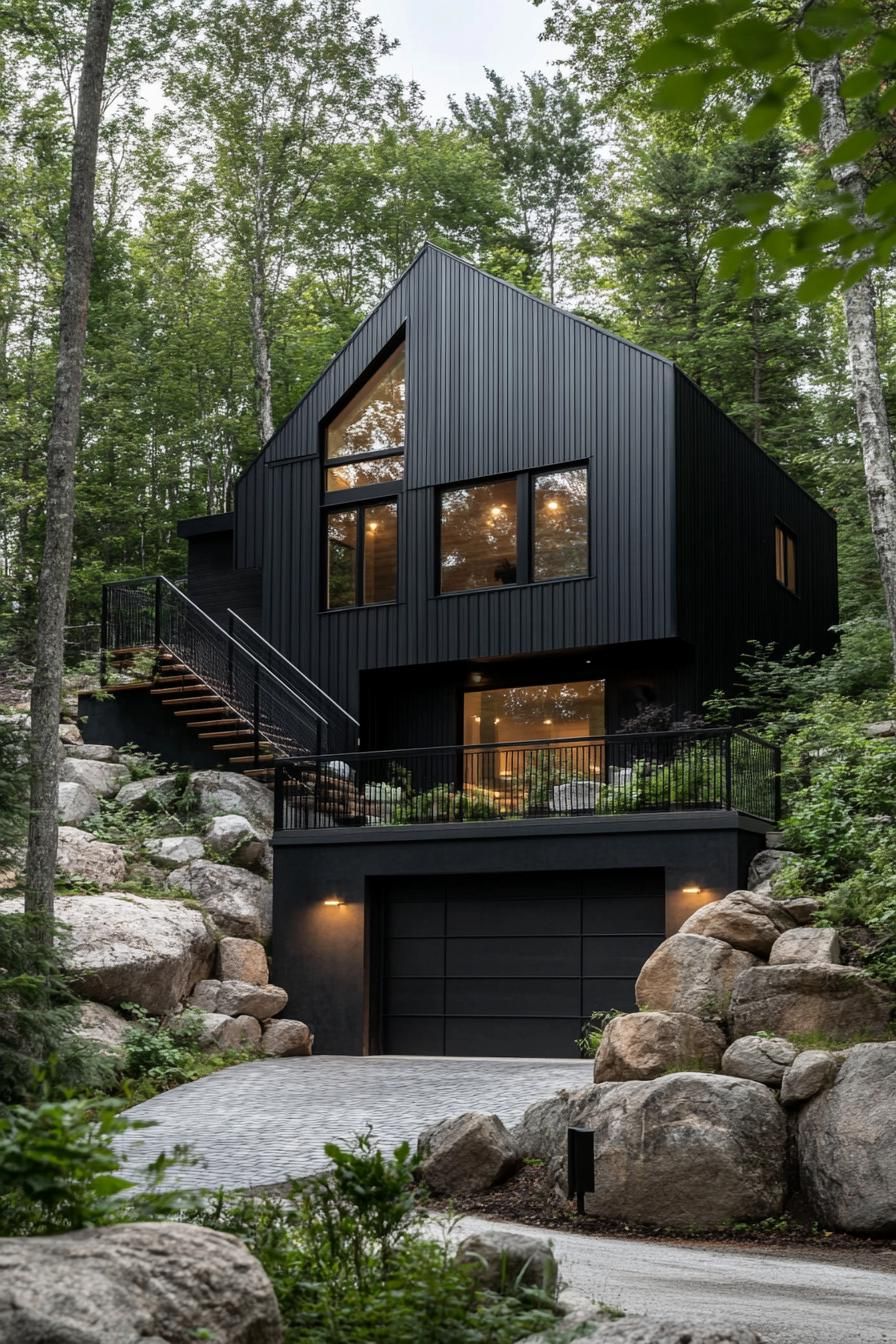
{"x": 362, "y": 555}
{"x": 785, "y": 557}
{"x": 518, "y": 529}
{"x": 365, "y": 441}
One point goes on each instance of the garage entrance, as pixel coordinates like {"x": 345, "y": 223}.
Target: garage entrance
{"x": 508, "y": 964}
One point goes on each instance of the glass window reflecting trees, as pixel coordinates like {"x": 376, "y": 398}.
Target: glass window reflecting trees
{"x": 362, "y": 555}
{"x": 518, "y": 529}
{"x": 365, "y": 441}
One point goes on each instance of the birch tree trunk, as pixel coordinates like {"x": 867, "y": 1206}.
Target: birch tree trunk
{"x": 261, "y": 357}
{"x": 53, "y": 583}
{"x": 861, "y": 336}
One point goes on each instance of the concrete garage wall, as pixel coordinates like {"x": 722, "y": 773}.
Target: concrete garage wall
{"x": 323, "y": 956}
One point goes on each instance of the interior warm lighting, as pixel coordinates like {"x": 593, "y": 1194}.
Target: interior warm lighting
{"x": 476, "y": 718}
{"x": 692, "y": 890}
{"x": 496, "y": 511}
{"x": 372, "y": 527}
{"x": 334, "y": 900}
{"x": 553, "y": 505}
{"x": 547, "y": 720}
{"x": 497, "y": 720}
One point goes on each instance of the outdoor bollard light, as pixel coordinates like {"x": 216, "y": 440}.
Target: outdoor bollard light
{"x": 580, "y": 1165}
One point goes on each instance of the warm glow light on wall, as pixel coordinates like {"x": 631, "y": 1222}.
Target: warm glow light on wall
{"x": 692, "y": 890}
{"x": 334, "y": 900}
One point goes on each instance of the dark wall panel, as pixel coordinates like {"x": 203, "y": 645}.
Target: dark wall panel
{"x": 214, "y": 584}
{"x": 729, "y": 496}
{"x": 496, "y": 382}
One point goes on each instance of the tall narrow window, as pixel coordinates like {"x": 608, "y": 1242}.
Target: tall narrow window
{"x": 560, "y": 524}
{"x": 478, "y": 541}
{"x": 785, "y": 557}
{"x": 365, "y": 441}
{"x": 362, "y": 555}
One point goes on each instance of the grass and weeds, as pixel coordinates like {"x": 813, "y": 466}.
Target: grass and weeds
{"x": 159, "y": 1054}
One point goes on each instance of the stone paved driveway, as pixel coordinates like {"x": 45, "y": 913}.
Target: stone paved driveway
{"x": 260, "y": 1123}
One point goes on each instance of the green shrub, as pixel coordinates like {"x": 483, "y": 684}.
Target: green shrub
{"x": 164, "y": 1053}
{"x": 350, "y": 1264}
{"x": 59, "y": 1170}
{"x": 840, "y": 793}
{"x": 38, "y": 1014}
{"x": 593, "y": 1030}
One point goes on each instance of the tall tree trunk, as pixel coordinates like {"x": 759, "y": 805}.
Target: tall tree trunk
{"x": 261, "y": 357}
{"x": 861, "y": 338}
{"x": 55, "y": 570}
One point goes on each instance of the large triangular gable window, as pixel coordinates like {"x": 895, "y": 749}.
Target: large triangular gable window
{"x": 365, "y": 441}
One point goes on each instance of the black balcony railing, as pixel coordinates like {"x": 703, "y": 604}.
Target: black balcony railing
{"x": 287, "y": 711}
{"x": 702, "y": 769}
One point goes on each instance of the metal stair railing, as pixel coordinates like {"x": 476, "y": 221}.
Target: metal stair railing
{"x": 152, "y": 612}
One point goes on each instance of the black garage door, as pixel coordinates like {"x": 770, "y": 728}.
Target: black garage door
{"x": 510, "y": 964}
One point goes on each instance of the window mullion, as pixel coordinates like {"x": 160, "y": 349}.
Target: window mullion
{"x": 524, "y": 528}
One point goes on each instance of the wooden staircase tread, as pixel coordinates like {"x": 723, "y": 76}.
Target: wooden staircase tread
{"x": 258, "y": 774}
{"x": 191, "y": 699}
{"x": 217, "y": 723}
{"x": 189, "y": 713}
{"x": 244, "y": 760}
{"x": 229, "y": 746}
{"x": 182, "y": 688}
{"x": 233, "y": 732}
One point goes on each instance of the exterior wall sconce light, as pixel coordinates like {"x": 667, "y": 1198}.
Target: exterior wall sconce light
{"x": 334, "y": 900}
{"x": 692, "y": 890}
{"x": 477, "y": 678}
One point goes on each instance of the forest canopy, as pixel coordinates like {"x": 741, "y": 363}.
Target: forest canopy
{"x": 263, "y": 177}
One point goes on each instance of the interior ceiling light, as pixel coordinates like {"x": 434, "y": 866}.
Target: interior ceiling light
{"x": 553, "y": 505}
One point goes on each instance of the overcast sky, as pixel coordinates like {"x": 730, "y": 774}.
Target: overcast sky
{"x": 446, "y": 43}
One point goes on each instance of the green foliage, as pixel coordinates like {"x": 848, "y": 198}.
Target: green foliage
{"x": 127, "y": 825}
{"x": 59, "y": 1170}
{"x": 588, "y": 1043}
{"x": 164, "y": 1053}
{"x": 350, "y": 1264}
{"x": 840, "y": 787}
{"x": 38, "y": 1013}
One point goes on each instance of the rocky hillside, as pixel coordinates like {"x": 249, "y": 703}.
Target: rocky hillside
{"x": 758, "y": 1075}
{"x": 165, "y": 889}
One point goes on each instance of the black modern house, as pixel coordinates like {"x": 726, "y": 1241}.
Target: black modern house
{"x": 488, "y": 542}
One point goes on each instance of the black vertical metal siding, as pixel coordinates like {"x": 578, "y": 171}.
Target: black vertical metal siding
{"x": 496, "y": 382}
{"x": 729, "y": 496}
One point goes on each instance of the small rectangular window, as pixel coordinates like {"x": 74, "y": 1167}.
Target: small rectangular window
{"x": 362, "y": 555}
{"x": 478, "y": 538}
{"x": 785, "y": 557}
{"x": 560, "y": 524}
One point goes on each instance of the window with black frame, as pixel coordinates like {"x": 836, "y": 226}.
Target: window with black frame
{"x": 362, "y": 555}
{"x": 365, "y": 440}
{"x": 785, "y": 557}
{"x": 484, "y": 527}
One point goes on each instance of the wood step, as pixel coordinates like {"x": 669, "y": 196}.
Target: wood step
{"x": 190, "y": 713}
{"x": 128, "y": 651}
{"x": 170, "y": 677}
{"x": 260, "y": 774}
{"x": 233, "y": 746}
{"x": 191, "y": 699}
{"x": 179, "y": 686}
{"x": 244, "y": 760}
{"x": 217, "y": 723}
{"x": 234, "y": 732}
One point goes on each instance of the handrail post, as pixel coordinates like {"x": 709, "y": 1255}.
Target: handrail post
{"x": 104, "y": 633}
{"x": 776, "y": 767}
{"x": 727, "y": 749}
{"x": 157, "y": 631}
{"x": 278, "y": 796}
{"x": 230, "y": 655}
{"x": 256, "y": 714}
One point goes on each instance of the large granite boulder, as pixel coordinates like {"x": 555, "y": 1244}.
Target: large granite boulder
{"x": 744, "y": 920}
{"x": 101, "y": 777}
{"x": 645, "y": 1045}
{"x": 173, "y": 851}
{"x": 135, "y": 1281}
{"x": 154, "y": 793}
{"x": 69, "y": 733}
{"x": 91, "y": 751}
{"x": 80, "y": 854}
{"x": 505, "y": 1261}
{"x": 132, "y": 949}
{"x": 239, "y": 903}
{"x": 542, "y": 1131}
{"x": 466, "y": 1154}
{"x": 802, "y": 909}
{"x": 242, "y": 959}
{"x": 219, "y": 793}
{"x": 689, "y": 1150}
{"x": 766, "y": 865}
{"x": 220, "y": 1031}
{"x": 76, "y": 803}
{"x": 690, "y": 973}
{"x": 237, "y": 840}
{"x": 765, "y": 1059}
{"x": 101, "y": 1025}
{"x": 837, "y": 1002}
{"x": 847, "y": 1144}
{"x": 285, "y": 1037}
{"x": 806, "y": 947}
{"x": 236, "y": 997}
{"x": 809, "y": 1074}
